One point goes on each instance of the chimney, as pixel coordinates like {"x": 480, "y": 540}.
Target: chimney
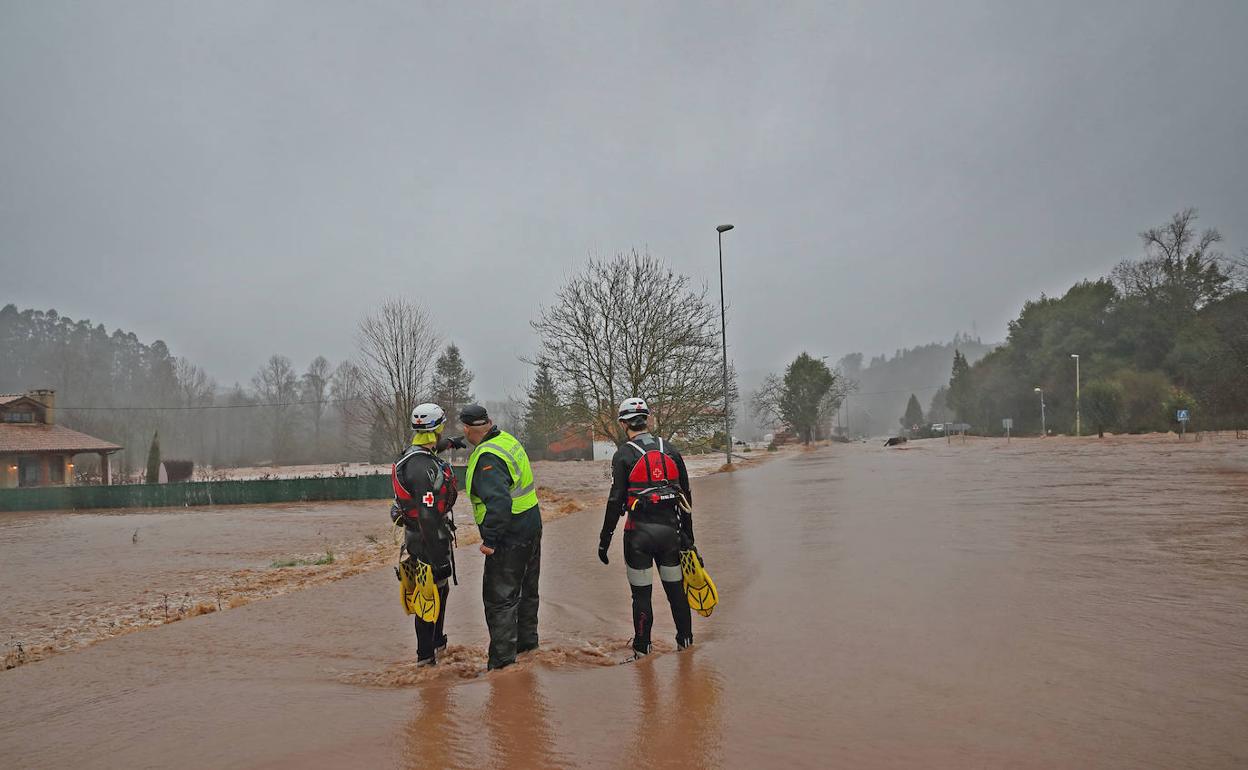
{"x": 48, "y": 399}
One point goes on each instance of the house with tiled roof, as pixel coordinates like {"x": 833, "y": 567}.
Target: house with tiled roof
{"x": 34, "y": 450}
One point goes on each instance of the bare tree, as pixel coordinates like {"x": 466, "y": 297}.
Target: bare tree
{"x": 631, "y": 326}
{"x": 190, "y": 427}
{"x": 346, "y": 388}
{"x": 277, "y": 387}
{"x": 314, "y": 383}
{"x": 1178, "y": 260}
{"x": 398, "y": 344}
{"x": 765, "y": 402}
{"x": 195, "y": 387}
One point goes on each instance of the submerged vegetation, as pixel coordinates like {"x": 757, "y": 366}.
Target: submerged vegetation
{"x": 323, "y": 560}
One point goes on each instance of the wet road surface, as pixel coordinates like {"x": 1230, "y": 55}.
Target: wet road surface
{"x": 1045, "y": 604}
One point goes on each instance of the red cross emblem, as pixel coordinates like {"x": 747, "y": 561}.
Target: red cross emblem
{"x": 427, "y": 499}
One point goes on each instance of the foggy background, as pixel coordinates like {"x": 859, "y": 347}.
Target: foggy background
{"x": 252, "y": 178}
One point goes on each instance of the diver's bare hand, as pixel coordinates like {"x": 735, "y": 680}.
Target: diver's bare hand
{"x": 486, "y": 549}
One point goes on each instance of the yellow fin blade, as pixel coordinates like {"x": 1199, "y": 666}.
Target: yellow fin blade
{"x": 700, "y": 590}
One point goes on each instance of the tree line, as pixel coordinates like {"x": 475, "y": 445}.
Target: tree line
{"x": 1163, "y": 332}
{"x": 887, "y": 384}
{"x": 622, "y": 326}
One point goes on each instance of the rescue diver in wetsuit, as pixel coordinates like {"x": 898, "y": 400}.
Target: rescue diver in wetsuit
{"x": 659, "y": 525}
{"x": 499, "y": 483}
{"x": 424, "y": 493}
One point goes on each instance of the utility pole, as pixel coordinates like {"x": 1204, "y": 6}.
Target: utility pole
{"x": 723, "y": 334}
{"x": 1044, "y": 429}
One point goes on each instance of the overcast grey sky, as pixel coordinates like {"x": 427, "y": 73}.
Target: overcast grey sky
{"x": 246, "y": 178}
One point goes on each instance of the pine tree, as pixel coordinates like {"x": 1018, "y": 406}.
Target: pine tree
{"x": 452, "y": 382}
{"x": 914, "y": 414}
{"x": 153, "y": 460}
{"x": 961, "y": 397}
{"x": 545, "y": 416}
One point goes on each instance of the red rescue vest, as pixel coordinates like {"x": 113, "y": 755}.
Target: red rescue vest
{"x": 653, "y": 483}
{"x": 440, "y": 499}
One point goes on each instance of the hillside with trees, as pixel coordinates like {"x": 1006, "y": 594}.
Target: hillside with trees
{"x": 885, "y": 384}
{"x": 1163, "y": 332}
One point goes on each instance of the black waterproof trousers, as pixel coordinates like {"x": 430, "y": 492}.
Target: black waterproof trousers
{"x": 429, "y": 635}
{"x": 653, "y": 543}
{"x": 437, "y": 555}
{"x": 509, "y": 591}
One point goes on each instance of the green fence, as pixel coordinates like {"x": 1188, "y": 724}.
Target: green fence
{"x": 196, "y": 493}
{"x": 180, "y": 495}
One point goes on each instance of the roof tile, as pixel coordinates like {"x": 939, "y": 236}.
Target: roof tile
{"x": 16, "y": 438}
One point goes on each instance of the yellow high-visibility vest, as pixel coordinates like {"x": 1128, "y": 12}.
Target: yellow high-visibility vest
{"x": 505, "y": 447}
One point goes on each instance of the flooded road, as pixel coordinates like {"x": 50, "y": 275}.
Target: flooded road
{"x": 1043, "y": 604}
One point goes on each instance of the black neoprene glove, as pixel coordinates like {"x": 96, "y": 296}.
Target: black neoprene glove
{"x": 396, "y": 513}
{"x": 604, "y": 542}
{"x": 457, "y": 442}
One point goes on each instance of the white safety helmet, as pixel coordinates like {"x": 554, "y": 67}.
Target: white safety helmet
{"x": 632, "y": 408}
{"x": 427, "y": 418}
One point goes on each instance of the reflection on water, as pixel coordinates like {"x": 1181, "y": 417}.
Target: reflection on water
{"x": 434, "y": 736}
{"x": 678, "y": 719}
{"x": 518, "y": 724}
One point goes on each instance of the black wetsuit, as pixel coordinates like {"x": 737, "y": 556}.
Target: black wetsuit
{"x": 427, "y": 534}
{"x": 509, "y": 585}
{"x": 651, "y": 539}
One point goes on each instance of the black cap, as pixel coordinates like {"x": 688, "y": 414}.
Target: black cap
{"x": 474, "y": 414}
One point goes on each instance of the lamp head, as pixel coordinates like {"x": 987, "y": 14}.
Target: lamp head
{"x": 724, "y": 228}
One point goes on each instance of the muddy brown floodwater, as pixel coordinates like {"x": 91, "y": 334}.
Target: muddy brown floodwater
{"x": 1051, "y": 603}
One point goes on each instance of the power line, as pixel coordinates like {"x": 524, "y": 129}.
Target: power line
{"x": 204, "y": 406}
{"x": 902, "y": 390}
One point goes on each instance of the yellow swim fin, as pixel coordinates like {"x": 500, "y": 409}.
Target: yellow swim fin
{"x": 420, "y": 592}
{"x": 700, "y": 590}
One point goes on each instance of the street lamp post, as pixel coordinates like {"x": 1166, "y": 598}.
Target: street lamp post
{"x": 1078, "y": 416}
{"x": 1044, "y": 429}
{"x": 723, "y": 335}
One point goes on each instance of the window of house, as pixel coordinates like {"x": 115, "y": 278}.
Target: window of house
{"x": 56, "y": 470}
{"x": 19, "y": 416}
{"x": 28, "y": 471}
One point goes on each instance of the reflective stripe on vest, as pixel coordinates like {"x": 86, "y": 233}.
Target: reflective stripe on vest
{"x": 505, "y": 447}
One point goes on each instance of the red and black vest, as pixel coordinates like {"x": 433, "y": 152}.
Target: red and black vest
{"x": 653, "y": 484}
{"x": 440, "y": 499}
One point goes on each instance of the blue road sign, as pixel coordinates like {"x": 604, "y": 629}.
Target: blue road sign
{"x": 1183, "y": 415}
